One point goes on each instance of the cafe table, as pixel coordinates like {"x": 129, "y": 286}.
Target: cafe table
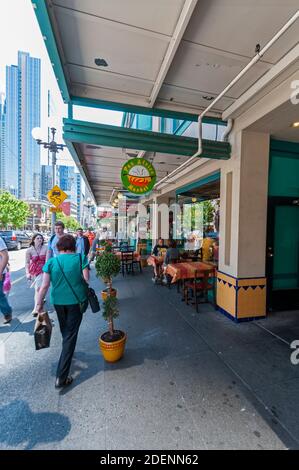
{"x": 189, "y": 270}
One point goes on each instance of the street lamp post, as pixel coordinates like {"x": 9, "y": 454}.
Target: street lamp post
{"x": 54, "y": 148}
{"x": 88, "y": 204}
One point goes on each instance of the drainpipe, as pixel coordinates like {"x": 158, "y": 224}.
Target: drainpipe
{"x": 227, "y": 131}
{"x": 255, "y": 59}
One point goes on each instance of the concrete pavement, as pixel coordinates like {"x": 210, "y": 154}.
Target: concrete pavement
{"x": 187, "y": 380}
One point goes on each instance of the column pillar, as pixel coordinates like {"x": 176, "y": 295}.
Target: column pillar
{"x": 241, "y": 281}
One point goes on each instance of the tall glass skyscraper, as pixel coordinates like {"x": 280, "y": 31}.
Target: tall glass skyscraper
{"x": 21, "y": 157}
{"x": 11, "y": 131}
{"x": 2, "y": 142}
{"x": 29, "y": 118}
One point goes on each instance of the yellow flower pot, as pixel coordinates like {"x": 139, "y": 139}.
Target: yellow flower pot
{"x": 113, "y": 351}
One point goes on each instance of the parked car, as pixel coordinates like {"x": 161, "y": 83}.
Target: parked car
{"x": 15, "y": 239}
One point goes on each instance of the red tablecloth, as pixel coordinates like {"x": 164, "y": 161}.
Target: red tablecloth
{"x": 188, "y": 270}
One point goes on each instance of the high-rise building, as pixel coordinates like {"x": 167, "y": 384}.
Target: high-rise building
{"x": 2, "y": 137}
{"x": 68, "y": 181}
{"x": 11, "y": 133}
{"x": 21, "y": 155}
{"x": 29, "y": 118}
{"x": 46, "y": 180}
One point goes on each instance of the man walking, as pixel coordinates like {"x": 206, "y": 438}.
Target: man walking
{"x": 4, "y": 305}
{"x": 82, "y": 243}
{"x": 59, "y": 232}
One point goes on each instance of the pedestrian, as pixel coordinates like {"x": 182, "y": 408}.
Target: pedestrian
{"x": 90, "y": 235}
{"x": 101, "y": 236}
{"x": 35, "y": 261}
{"x": 52, "y": 245}
{"x": 4, "y": 305}
{"x": 82, "y": 243}
{"x": 69, "y": 297}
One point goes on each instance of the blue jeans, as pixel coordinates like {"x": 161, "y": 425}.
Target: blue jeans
{"x": 4, "y": 305}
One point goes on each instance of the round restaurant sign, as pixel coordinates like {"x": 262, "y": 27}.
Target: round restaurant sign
{"x": 138, "y": 176}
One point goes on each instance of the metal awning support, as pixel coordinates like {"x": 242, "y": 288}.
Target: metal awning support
{"x": 114, "y": 136}
{"x": 181, "y": 26}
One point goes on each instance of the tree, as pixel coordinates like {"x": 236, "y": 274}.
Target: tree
{"x": 208, "y": 212}
{"x": 13, "y": 211}
{"x": 70, "y": 222}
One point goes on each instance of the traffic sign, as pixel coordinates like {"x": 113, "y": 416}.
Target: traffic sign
{"x": 55, "y": 209}
{"x": 56, "y": 196}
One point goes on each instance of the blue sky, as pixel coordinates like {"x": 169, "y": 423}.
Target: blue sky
{"x": 20, "y": 31}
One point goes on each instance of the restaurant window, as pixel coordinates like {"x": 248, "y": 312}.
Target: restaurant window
{"x": 199, "y": 220}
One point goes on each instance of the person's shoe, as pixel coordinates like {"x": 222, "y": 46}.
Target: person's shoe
{"x": 7, "y": 318}
{"x": 59, "y": 384}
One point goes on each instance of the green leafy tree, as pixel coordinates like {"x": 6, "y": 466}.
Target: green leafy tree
{"x": 13, "y": 212}
{"x": 70, "y": 222}
{"x": 208, "y": 212}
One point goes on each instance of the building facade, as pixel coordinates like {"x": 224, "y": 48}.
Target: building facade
{"x": 21, "y": 154}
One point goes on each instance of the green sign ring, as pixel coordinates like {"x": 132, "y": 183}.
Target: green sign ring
{"x": 138, "y": 176}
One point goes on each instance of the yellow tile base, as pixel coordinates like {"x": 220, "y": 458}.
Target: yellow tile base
{"x": 242, "y": 299}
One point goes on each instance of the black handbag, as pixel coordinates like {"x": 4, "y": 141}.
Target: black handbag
{"x": 91, "y": 295}
{"x": 93, "y": 300}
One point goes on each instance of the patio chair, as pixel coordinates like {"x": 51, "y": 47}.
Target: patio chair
{"x": 127, "y": 262}
{"x": 138, "y": 262}
{"x": 199, "y": 288}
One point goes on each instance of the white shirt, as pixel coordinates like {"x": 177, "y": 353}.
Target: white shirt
{"x": 3, "y": 247}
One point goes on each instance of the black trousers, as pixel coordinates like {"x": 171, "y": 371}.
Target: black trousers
{"x": 69, "y": 317}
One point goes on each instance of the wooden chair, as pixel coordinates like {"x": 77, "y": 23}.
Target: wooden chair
{"x": 127, "y": 262}
{"x": 199, "y": 287}
{"x": 138, "y": 262}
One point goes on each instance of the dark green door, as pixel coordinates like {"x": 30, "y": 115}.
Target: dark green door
{"x": 283, "y": 254}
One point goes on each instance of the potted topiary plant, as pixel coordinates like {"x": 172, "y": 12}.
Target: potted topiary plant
{"x": 107, "y": 266}
{"x": 112, "y": 342}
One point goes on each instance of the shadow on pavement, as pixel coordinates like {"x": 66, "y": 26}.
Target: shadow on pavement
{"x": 37, "y": 428}
{"x": 17, "y": 326}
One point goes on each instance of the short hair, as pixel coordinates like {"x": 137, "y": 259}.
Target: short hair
{"x": 59, "y": 223}
{"x": 80, "y": 228}
{"x": 66, "y": 243}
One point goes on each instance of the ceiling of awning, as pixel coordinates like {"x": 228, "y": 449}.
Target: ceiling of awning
{"x": 172, "y": 54}
{"x": 103, "y": 167}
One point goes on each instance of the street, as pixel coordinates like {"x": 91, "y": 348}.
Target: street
{"x": 183, "y": 383}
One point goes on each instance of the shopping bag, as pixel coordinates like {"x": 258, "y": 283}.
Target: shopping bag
{"x": 42, "y": 331}
{"x": 7, "y": 283}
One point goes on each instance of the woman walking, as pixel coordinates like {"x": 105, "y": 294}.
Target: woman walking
{"x": 69, "y": 297}
{"x": 35, "y": 260}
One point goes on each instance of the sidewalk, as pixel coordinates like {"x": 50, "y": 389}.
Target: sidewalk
{"x": 187, "y": 380}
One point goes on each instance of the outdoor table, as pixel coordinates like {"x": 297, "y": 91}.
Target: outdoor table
{"x": 182, "y": 271}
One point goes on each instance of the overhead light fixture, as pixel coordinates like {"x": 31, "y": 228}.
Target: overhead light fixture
{"x": 207, "y": 97}
{"x": 194, "y": 199}
{"x": 295, "y": 124}
{"x": 100, "y": 62}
